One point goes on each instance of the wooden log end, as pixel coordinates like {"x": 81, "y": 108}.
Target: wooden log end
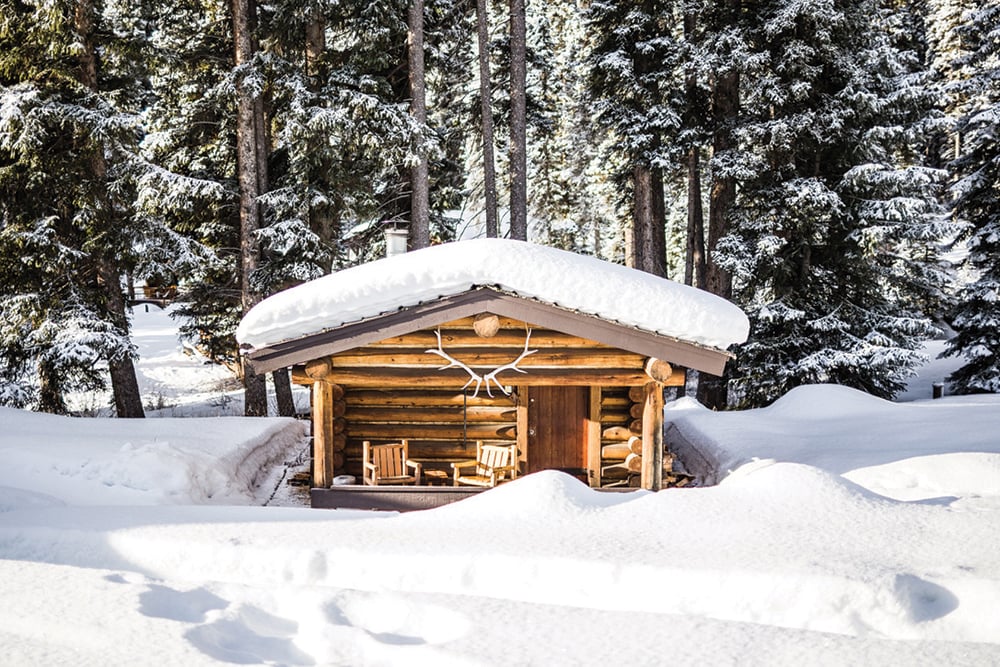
{"x": 486, "y": 325}
{"x": 319, "y": 369}
{"x": 658, "y": 370}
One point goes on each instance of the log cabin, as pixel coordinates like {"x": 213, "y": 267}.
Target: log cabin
{"x": 492, "y": 341}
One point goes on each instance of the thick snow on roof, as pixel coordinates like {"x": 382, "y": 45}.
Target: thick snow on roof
{"x": 577, "y": 282}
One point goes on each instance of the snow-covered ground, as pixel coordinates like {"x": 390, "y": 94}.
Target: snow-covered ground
{"x": 844, "y": 531}
{"x": 175, "y": 379}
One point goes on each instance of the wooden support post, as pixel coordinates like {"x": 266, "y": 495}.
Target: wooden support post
{"x": 652, "y": 437}
{"x": 594, "y": 438}
{"x": 323, "y": 435}
{"x": 522, "y": 427}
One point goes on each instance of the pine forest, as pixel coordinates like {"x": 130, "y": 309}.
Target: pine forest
{"x": 830, "y": 166}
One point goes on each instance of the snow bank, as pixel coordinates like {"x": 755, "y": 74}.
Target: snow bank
{"x": 139, "y": 461}
{"x": 781, "y": 555}
{"x": 553, "y": 276}
{"x": 909, "y": 451}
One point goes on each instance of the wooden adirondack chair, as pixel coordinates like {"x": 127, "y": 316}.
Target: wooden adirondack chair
{"x": 387, "y": 464}
{"x": 493, "y": 464}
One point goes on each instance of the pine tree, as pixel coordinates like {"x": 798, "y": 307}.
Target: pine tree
{"x": 835, "y": 225}
{"x": 975, "y": 87}
{"x": 68, "y": 225}
{"x": 637, "y": 76}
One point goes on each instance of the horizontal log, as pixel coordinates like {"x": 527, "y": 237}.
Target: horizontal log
{"x": 635, "y": 445}
{"x": 615, "y": 472}
{"x": 615, "y": 402}
{"x": 475, "y": 413}
{"x": 339, "y": 407}
{"x": 635, "y": 412}
{"x": 637, "y": 394}
{"x": 618, "y": 451}
{"x": 470, "y": 323}
{"x": 339, "y": 424}
{"x": 431, "y": 431}
{"x": 485, "y": 360}
{"x": 512, "y": 338}
{"x": 634, "y": 463}
{"x": 455, "y": 378}
{"x": 299, "y": 377}
{"x": 616, "y": 433}
{"x": 422, "y": 398}
{"x": 339, "y": 442}
{"x": 635, "y": 426}
{"x": 613, "y": 417}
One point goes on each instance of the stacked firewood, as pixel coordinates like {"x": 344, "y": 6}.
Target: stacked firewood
{"x": 621, "y": 447}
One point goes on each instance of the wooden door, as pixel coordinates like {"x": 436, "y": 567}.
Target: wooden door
{"x": 557, "y": 428}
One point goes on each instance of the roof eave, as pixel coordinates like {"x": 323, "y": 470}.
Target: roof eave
{"x": 487, "y": 299}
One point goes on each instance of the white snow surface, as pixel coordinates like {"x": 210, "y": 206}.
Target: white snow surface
{"x": 844, "y": 531}
{"x": 557, "y": 277}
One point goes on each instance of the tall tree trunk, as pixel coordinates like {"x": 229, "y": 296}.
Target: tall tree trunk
{"x": 648, "y": 219}
{"x": 713, "y": 392}
{"x": 694, "y": 256}
{"x": 518, "y": 123}
{"x": 248, "y": 136}
{"x": 725, "y": 106}
{"x": 323, "y": 217}
{"x": 642, "y": 213}
{"x": 656, "y": 257}
{"x": 283, "y": 392}
{"x": 694, "y": 262}
{"x": 486, "y": 111}
{"x": 124, "y": 386}
{"x": 50, "y": 392}
{"x": 420, "y": 236}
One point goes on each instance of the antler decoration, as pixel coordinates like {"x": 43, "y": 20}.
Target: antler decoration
{"x": 476, "y": 377}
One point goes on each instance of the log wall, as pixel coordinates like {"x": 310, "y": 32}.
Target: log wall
{"x": 397, "y": 389}
{"x": 442, "y": 425}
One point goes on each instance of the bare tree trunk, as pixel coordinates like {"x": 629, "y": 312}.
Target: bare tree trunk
{"x": 725, "y": 102}
{"x": 124, "y": 386}
{"x": 420, "y": 234}
{"x": 50, "y": 392}
{"x": 248, "y": 135}
{"x": 323, "y": 217}
{"x": 486, "y": 111}
{"x": 645, "y": 243}
{"x": 656, "y": 257}
{"x": 283, "y": 392}
{"x": 713, "y": 392}
{"x": 694, "y": 257}
{"x": 518, "y": 123}
{"x": 694, "y": 262}
{"x": 315, "y": 43}
{"x": 642, "y": 213}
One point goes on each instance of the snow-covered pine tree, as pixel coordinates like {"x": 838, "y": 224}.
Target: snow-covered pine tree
{"x": 637, "y": 78}
{"x": 976, "y": 89}
{"x": 835, "y": 225}
{"x": 339, "y": 142}
{"x": 569, "y": 187}
{"x": 70, "y": 91}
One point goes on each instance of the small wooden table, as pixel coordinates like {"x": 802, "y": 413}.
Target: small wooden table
{"x": 436, "y": 478}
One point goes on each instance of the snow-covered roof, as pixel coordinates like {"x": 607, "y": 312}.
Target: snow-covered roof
{"x": 577, "y": 282}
